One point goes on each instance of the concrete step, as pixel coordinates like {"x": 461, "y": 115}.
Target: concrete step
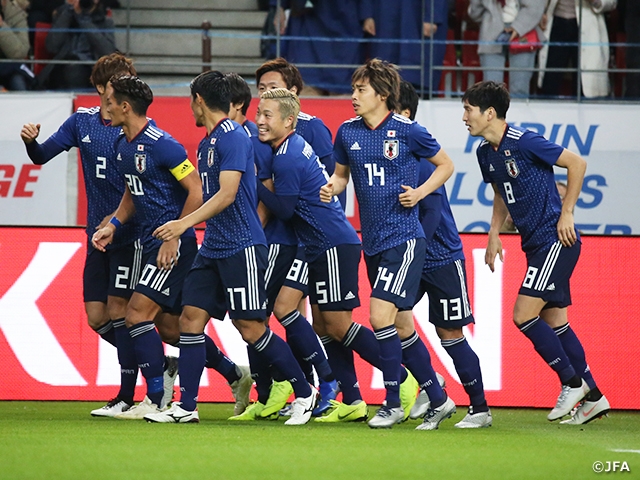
{"x": 183, "y": 44}
{"x": 190, "y": 18}
{"x": 193, "y": 4}
{"x": 192, "y": 65}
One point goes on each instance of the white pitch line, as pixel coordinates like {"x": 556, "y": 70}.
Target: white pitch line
{"x": 622, "y": 450}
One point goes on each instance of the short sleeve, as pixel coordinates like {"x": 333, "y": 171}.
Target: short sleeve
{"x": 537, "y": 148}
{"x": 485, "y": 174}
{"x": 263, "y": 157}
{"x": 319, "y": 137}
{"x": 233, "y": 149}
{"x": 421, "y": 143}
{"x": 339, "y": 152}
{"x": 288, "y": 175}
{"x": 169, "y": 153}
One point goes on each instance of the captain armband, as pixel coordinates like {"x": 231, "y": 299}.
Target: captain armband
{"x": 182, "y": 170}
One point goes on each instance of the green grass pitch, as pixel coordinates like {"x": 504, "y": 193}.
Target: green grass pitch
{"x": 60, "y": 440}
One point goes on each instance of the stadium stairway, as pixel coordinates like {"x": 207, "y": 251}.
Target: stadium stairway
{"x": 171, "y": 45}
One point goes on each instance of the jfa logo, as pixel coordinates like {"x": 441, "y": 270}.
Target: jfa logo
{"x": 390, "y": 149}
{"x": 512, "y": 168}
{"x": 210, "y": 155}
{"x": 141, "y": 162}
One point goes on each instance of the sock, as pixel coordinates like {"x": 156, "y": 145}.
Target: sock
{"x": 107, "y": 332}
{"x": 193, "y": 353}
{"x": 303, "y": 339}
{"x": 574, "y": 350}
{"x": 219, "y": 361}
{"x": 391, "y": 358}
{"x": 127, "y": 360}
{"x": 150, "y": 358}
{"x": 260, "y": 374}
{"x": 276, "y": 351}
{"x": 548, "y": 346}
{"x": 416, "y": 358}
{"x": 341, "y": 360}
{"x": 467, "y": 365}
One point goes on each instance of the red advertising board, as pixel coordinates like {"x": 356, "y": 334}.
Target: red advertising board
{"x": 48, "y": 352}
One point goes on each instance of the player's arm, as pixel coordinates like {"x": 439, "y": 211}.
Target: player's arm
{"x": 38, "y": 153}
{"x": 104, "y": 236}
{"x": 430, "y": 214}
{"x": 499, "y": 215}
{"x": 444, "y": 169}
{"x": 263, "y": 212}
{"x": 576, "y": 167}
{"x": 282, "y": 206}
{"x": 337, "y": 183}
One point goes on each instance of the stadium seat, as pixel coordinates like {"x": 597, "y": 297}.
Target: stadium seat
{"x": 470, "y": 58}
{"x": 450, "y": 60}
{"x": 40, "y": 51}
{"x": 621, "y": 63}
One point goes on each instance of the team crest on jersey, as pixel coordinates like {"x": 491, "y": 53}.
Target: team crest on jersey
{"x": 391, "y": 149}
{"x": 210, "y": 155}
{"x": 391, "y": 133}
{"x": 141, "y": 162}
{"x": 512, "y": 168}
{"x": 141, "y": 148}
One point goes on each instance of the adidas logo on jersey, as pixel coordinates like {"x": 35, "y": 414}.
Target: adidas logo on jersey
{"x": 491, "y": 169}
{"x": 349, "y": 296}
{"x": 119, "y": 157}
{"x": 166, "y": 292}
{"x": 551, "y": 287}
{"x": 404, "y": 294}
{"x": 355, "y": 146}
{"x": 86, "y": 139}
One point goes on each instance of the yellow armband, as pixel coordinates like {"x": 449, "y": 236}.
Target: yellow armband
{"x": 182, "y": 170}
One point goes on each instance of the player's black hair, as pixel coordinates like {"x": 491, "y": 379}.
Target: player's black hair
{"x": 383, "y": 78}
{"x": 240, "y": 91}
{"x": 290, "y": 73}
{"x": 133, "y": 90}
{"x": 109, "y": 65}
{"x": 408, "y": 99}
{"x": 489, "y": 94}
{"x": 213, "y": 87}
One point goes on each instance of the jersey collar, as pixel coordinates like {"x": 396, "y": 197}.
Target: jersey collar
{"x": 384, "y": 120}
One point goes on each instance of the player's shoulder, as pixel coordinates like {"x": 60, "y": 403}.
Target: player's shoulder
{"x": 402, "y": 119}
{"x": 153, "y": 134}
{"x": 250, "y": 128}
{"x": 87, "y": 111}
{"x": 292, "y": 145}
{"x": 352, "y": 124}
{"x": 305, "y": 117}
{"x": 515, "y": 133}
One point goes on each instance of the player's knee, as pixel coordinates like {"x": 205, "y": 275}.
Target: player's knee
{"x": 250, "y": 330}
{"x": 449, "y": 333}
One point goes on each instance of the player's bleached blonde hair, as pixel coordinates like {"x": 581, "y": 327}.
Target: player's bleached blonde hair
{"x": 287, "y": 100}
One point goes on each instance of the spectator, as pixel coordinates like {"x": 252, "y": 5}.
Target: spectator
{"x": 409, "y": 20}
{"x": 90, "y": 38}
{"x": 560, "y": 24}
{"x": 14, "y": 45}
{"x": 340, "y": 20}
{"x": 516, "y": 18}
{"x": 40, "y": 11}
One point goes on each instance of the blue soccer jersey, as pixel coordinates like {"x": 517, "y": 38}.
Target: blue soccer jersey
{"x": 381, "y": 160}
{"x": 94, "y": 136}
{"x": 151, "y": 164}
{"x": 522, "y": 170}
{"x": 297, "y": 171}
{"x": 445, "y": 246}
{"x": 237, "y": 227}
{"x": 316, "y": 134}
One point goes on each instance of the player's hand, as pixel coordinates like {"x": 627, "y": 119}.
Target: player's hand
{"x": 168, "y": 254}
{"x": 326, "y": 193}
{"x": 494, "y": 247}
{"x": 566, "y": 229}
{"x": 429, "y": 29}
{"x": 104, "y": 221}
{"x": 29, "y": 132}
{"x": 369, "y": 26}
{"x": 169, "y": 231}
{"x": 103, "y": 237}
{"x": 410, "y": 197}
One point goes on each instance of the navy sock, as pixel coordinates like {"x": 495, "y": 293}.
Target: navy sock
{"x": 107, "y": 332}
{"x": 150, "y": 358}
{"x": 574, "y": 350}
{"x": 276, "y": 351}
{"x": 219, "y": 361}
{"x": 193, "y": 353}
{"x": 363, "y": 341}
{"x": 548, "y": 346}
{"x": 467, "y": 365}
{"x": 303, "y": 339}
{"x": 260, "y": 374}
{"x": 416, "y": 358}
{"x": 391, "y": 359}
{"x": 341, "y": 361}
{"x": 127, "y": 360}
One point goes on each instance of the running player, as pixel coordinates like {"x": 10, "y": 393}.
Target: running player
{"x": 228, "y": 274}
{"x": 108, "y": 277}
{"x": 382, "y": 150}
{"x": 519, "y": 165}
{"x": 444, "y": 280}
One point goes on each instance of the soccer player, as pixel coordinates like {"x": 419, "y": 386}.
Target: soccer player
{"x": 444, "y": 281}
{"x": 228, "y": 274}
{"x": 162, "y": 184}
{"x": 283, "y": 247}
{"x": 382, "y": 151}
{"x": 279, "y": 73}
{"x": 519, "y": 165}
{"x": 108, "y": 277}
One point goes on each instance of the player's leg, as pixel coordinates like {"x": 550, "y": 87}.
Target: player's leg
{"x": 95, "y": 281}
